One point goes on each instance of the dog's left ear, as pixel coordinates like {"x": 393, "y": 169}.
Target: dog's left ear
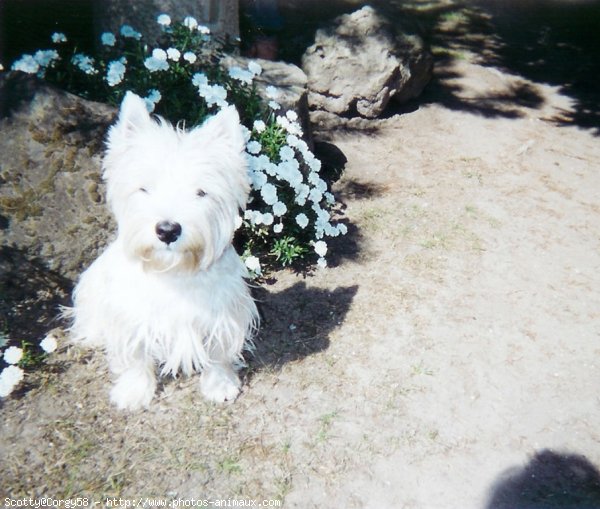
{"x": 224, "y": 128}
{"x": 133, "y": 117}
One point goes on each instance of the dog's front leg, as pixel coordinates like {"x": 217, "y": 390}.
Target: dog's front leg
{"x": 135, "y": 385}
{"x": 219, "y": 381}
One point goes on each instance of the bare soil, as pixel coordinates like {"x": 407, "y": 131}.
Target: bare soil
{"x": 448, "y": 357}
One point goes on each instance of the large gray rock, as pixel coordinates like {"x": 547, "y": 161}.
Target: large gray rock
{"x": 360, "y": 63}
{"x": 51, "y": 194}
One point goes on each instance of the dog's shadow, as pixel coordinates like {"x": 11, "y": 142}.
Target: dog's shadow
{"x": 296, "y": 323}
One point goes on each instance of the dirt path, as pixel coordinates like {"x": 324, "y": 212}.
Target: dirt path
{"x": 455, "y": 338}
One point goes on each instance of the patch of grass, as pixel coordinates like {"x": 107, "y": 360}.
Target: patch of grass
{"x": 421, "y": 369}
{"x": 230, "y": 465}
{"x": 325, "y": 421}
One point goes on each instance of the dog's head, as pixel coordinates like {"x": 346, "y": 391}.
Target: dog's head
{"x": 176, "y": 194}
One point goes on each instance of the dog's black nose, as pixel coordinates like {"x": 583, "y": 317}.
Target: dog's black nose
{"x": 168, "y": 231}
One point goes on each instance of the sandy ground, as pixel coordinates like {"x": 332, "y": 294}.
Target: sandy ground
{"x": 449, "y": 357}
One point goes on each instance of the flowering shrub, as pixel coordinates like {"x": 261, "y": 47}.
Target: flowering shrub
{"x": 289, "y": 213}
{"x": 16, "y": 360}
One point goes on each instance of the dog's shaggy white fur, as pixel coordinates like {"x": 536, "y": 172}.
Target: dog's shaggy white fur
{"x": 170, "y": 290}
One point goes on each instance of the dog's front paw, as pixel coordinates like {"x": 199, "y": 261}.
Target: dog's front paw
{"x": 134, "y": 389}
{"x": 219, "y": 384}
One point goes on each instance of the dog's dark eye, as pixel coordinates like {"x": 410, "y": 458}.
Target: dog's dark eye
{"x": 201, "y": 193}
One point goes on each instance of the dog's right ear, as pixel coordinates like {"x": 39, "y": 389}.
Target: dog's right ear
{"x": 133, "y": 117}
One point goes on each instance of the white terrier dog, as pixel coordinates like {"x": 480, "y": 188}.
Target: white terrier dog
{"x": 170, "y": 289}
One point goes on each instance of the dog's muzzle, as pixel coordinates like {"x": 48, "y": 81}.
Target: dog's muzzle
{"x": 168, "y": 231}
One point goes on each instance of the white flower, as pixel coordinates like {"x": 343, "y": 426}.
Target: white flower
{"x": 12, "y": 355}
{"x": 213, "y": 94}
{"x": 154, "y": 64}
{"x": 322, "y": 262}
{"x": 58, "y": 37}
{"x": 259, "y": 126}
{"x": 293, "y": 140}
{"x": 259, "y": 179}
{"x": 1, "y": 67}
{"x": 291, "y": 127}
{"x": 274, "y": 105}
{"x": 267, "y": 218}
{"x": 238, "y": 222}
{"x": 342, "y": 228}
{"x": 253, "y": 263}
{"x": 272, "y": 92}
{"x": 26, "y": 64}
{"x": 151, "y": 99}
{"x": 190, "y": 57}
{"x": 269, "y": 194}
{"x": 320, "y": 248}
{"x": 279, "y": 208}
{"x": 313, "y": 163}
{"x": 45, "y": 57}
{"x": 199, "y": 79}
{"x": 163, "y": 20}
{"x": 159, "y": 54}
{"x": 278, "y": 228}
{"x": 190, "y": 22}
{"x": 287, "y": 153}
{"x": 302, "y": 192}
{"x": 115, "y": 73}
{"x": 9, "y": 378}
{"x": 173, "y": 54}
{"x": 292, "y": 115}
{"x": 128, "y": 31}
{"x": 241, "y": 75}
{"x": 254, "y": 68}
{"x": 48, "y": 344}
{"x": 108, "y": 39}
{"x": 315, "y": 195}
{"x": 302, "y": 220}
{"x": 253, "y": 147}
{"x": 84, "y": 63}
{"x": 204, "y": 30}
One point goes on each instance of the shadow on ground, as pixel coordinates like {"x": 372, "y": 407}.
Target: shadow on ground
{"x": 28, "y": 289}
{"x": 286, "y": 335}
{"x": 549, "y": 481}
